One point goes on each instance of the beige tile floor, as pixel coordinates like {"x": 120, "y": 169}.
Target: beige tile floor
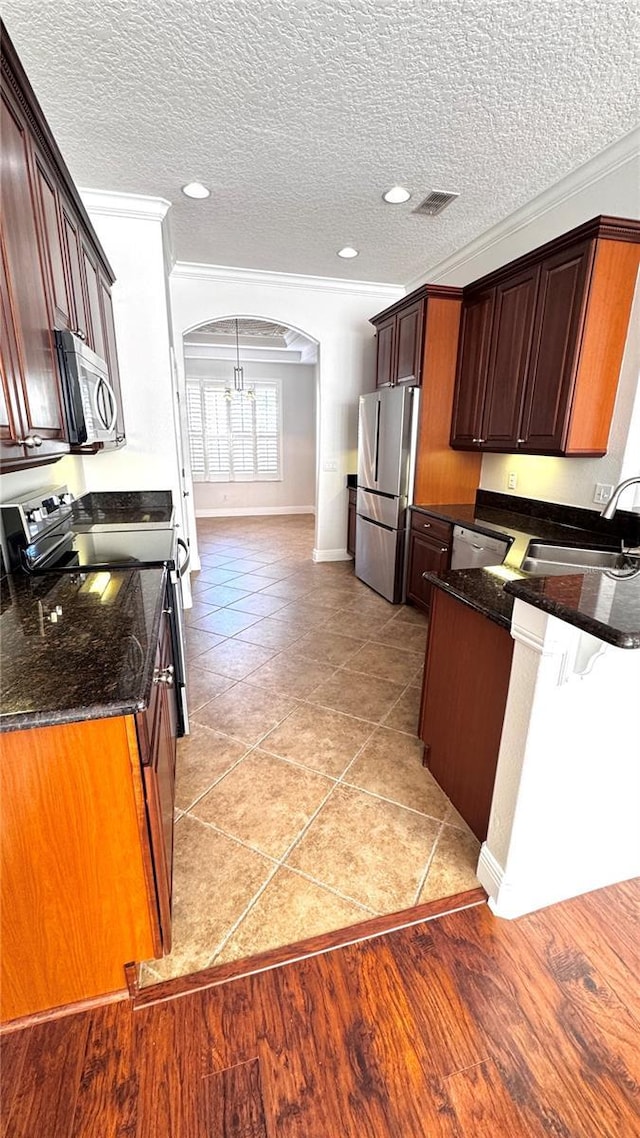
{"x": 302, "y": 803}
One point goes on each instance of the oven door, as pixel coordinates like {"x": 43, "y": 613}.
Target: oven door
{"x": 176, "y": 619}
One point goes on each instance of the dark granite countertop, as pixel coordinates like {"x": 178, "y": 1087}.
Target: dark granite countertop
{"x": 607, "y": 605}
{"x": 93, "y": 660}
{"x": 123, "y": 508}
{"x": 481, "y": 589}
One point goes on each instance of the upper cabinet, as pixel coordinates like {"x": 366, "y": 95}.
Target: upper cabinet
{"x": 400, "y": 338}
{"x": 54, "y": 276}
{"x": 542, "y": 342}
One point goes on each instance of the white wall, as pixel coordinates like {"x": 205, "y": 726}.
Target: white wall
{"x": 130, "y": 230}
{"x": 297, "y": 487}
{"x": 609, "y": 184}
{"x": 564, "y": 816}
{"x": 332, "y": 312}
{"x": 67, "y": 472}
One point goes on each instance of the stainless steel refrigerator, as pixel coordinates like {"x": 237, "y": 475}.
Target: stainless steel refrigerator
{"x": 387, "y": 434}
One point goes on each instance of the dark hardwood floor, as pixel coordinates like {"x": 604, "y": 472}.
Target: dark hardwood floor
{"x": 461, "y": 1026}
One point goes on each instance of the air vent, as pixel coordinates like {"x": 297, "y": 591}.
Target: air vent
{"x": 435, "y": 202}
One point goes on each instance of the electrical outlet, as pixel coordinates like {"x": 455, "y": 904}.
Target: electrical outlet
{"x": 329, "y": 465}
{"x": 602, "y": 493}
{"x": 512, "y": 480}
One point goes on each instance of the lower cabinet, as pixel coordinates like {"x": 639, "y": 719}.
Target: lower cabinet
{"x": 351, "y": 522}
{"x": 86, "y": 847}
{"x": 429, "y": 552}
{"x": 466, "y": 680}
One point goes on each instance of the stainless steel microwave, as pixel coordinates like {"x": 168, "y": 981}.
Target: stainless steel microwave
{"x": 90, "y": 401}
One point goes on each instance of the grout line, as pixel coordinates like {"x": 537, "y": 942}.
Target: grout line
{"x": 427, "y": 868}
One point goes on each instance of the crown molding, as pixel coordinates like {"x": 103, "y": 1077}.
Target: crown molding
{"x": 110, "y": 203}
{"x": 625, "y": 150}
{"x": 225, "y": 274}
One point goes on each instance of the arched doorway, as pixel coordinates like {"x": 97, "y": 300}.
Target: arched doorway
{"x": 249, "y": 418}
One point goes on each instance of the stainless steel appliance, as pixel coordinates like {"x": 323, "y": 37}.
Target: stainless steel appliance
{"x": 46, "y": 532}
{"x": 387, "y": 434}
{"x": 90, "y": 400}
{"x": 472, "y": 550}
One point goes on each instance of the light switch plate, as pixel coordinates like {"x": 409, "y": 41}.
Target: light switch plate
{"x": 602, "y": 493}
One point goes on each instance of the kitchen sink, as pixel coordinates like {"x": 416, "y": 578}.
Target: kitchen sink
{"x": 546, "y": 558}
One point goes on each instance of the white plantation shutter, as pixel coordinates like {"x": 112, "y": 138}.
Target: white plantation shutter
{"x": 235, "y": 439}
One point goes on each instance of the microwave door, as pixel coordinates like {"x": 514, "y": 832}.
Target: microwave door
{"x": 104, "y": 406}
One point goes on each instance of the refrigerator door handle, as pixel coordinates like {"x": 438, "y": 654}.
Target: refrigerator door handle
{"x": 375, "y": 470}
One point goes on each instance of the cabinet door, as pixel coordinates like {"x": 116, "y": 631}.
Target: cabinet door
{"x": 425, "y": 556}
{"x": 409, "y": 339}
{"x": 559, "y": 318}
{"x": 467, "y": 670}
{"x": 386, "y": 341}
{"x": 95, "y": 332}
{"x": 37, "y": 393}
{"x": 71, "y": 243}
{"x": 471, "y": 378}
{"x": 11, "y": 374}
{"x": 56, "y": 265}
{"x": 511, "y": 338}
{"x": 351, "y": 523}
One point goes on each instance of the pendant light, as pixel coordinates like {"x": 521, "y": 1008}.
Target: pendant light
{"x": 238, "y": 371}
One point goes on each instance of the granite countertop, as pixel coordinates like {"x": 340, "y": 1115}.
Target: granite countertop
{"x": 607, "y": 605}
{"x": 481, "y": 589}
{"x": 94, "y": 660}
{"x": 123, "y": 508}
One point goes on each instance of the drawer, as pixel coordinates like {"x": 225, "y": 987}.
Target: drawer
{"x": 431, "y": 527}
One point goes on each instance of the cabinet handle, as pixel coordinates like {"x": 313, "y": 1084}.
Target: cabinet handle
{"x": 444, "y": 548}
{"x": 426, "y": 525}
{"x": 479, "y": 441}
{"x": 164, "y": 675}
{"x": 80, "y": 334}
{"x": 520, "y": 441}
{"x": 30, "y": 441}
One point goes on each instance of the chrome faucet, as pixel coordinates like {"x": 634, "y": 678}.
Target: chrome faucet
{"x": 612, "y": 504}
{"x": 611, "y": 507}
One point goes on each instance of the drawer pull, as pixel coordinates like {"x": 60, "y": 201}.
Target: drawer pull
{"x": 30, "y": 441}
{"x": 164, "y": 675}
{"x": 426, "y": 525}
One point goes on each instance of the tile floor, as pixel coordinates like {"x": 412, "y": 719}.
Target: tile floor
{"x": 302, "y": 803}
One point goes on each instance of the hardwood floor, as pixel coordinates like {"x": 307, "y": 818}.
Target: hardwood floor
{"x": 462, "y": 1026}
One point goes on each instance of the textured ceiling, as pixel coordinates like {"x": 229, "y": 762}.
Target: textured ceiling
{"x": 298, "y": 114}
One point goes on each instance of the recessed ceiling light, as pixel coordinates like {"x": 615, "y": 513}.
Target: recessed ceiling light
{"x": 396, "y": 195}
{"x": 347, "y": 252}
{"x": 195, "y": 190}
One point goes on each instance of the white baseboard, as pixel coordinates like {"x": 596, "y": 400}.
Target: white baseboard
{"x": 331, "y": 555}
{"x": 253, "y": 511}
{"x": 490, "y": 873}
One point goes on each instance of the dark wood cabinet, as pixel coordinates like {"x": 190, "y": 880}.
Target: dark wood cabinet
{"x": 351, "y": 521}
{"x": 385, "y": 352}
{"x": 542, "y": 343}
{"x": 400, "y": 337}
{"x": 473, "y": 362}
{"x": 559, "y": 316}
{"x": 157, "y": 730}
{"x": 511, "y": 338}
{"x": 429, "y": 552}
{"x": 409, "y": 339}
{"x": 466, "y": 680}
{"x": 55, "y": 277}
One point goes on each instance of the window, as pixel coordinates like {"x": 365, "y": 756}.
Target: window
{"x": 233, "y": 437}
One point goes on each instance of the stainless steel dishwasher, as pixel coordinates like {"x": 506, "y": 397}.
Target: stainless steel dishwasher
{"x": 472, "y": 550}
